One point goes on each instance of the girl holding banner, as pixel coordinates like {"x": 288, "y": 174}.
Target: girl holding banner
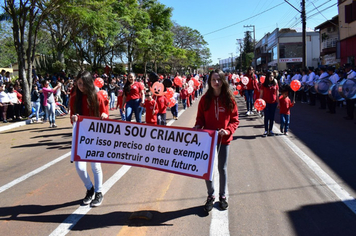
{"x": 86, "y": 101}
{"x": 217, "y": 110}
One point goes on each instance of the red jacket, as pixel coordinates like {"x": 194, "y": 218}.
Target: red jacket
{"x": 103, "y": 105}
{"x": 218, "y": 117}
{"x": 252, "y": 83}
{"x": 162, "y": 103}
{"x": 270, "y": 93}
{"x": 284, "y": 105}
{"x": 150, "y": 107}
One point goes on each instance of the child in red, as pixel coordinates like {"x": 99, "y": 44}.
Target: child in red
{"x": 162, "y": 103}
{"x": 151, "y": 109}
{"x": 284, "y": 110}
{"x": 120, "y": 97}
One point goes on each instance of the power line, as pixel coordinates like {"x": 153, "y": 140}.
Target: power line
{"x": 243, "y": 20}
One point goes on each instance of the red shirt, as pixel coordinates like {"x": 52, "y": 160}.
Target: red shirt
{"x": 103, "y": 105}
{"x": 270, "y": 93}
{"x": 284, "y": 105}
{"x": 218, "y": 117}
{"x": 135, "y": 91}
{"x": 150, "y": 107}
{"x": 162, "y": 103}
{"x": 252, "y": 83}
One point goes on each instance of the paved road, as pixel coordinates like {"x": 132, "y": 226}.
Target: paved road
{"x": 303, "y": 184}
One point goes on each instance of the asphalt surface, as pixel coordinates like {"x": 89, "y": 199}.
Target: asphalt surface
{"x": 272, "y": 189}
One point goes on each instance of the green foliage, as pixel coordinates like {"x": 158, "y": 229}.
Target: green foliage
{"x": 58, "y": 66}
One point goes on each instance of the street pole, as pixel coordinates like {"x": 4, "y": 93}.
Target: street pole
{"x": 232, "y": 60}
{"x": 304, "y": 26}
{"x": 240, "y": 42}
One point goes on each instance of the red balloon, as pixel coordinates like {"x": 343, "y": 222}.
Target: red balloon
{"x": 196, "y": 82}
{"x": 169, "y": 93}
{"x": 190, "y": 89}
{"x": 245, "y": 80}
{"x": 172, "y": 102}
{"x": 238, "y": 87}
{"x": 99, "y": 82}
{"x": 237, "y": 79}
{"x": 262, "y": 79}
{"x": 178, "y": 81}
{"x": 295, "y": 85}
{"x": 236, "y": 92}
{"x": 104, "y": 94}
{"x": 260, "y": 104}
{"x": 157, "y": 89}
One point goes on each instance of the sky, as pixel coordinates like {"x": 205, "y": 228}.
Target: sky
{"x": 222, "y": 22}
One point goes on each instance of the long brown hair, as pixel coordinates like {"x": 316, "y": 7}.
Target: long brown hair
{"x": 226, "y": 93}
{"x": 92, "y": 97}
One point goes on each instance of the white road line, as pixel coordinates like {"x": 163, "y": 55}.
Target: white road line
{"x": 36, "y": 171}
{"x": 342, "y": 194}
{"x": 65, "y": 227}
{"x": 219, "y": 219}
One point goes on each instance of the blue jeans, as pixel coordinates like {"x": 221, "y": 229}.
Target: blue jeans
{"x": 37, "y": 106}
{"x": 51, "y": 112}
{"x": 222, "y": 167}
{"x": 133, "y": 106}
{"x": 112, "y": 100}
{"x": 269, "y": 111}
{"x": 174, "y": 110}
{"x": 122, "y": 115}
{"x": 184, "y": 102}
{"x": 285, "y": 119}
{"x": 161, "y": 119}
{"x": 249, "y": 99}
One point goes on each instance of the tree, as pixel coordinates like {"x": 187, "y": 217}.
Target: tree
{"x": 7, "y": 47}
{"x": 26, "y": 17}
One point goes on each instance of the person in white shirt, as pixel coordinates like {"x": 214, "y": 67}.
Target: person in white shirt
{"x": 304, "y": 85}
{"x": 333, "y": 78}
{"x": 310, "y": 83}
{"x": 350, "y": 103}
{"x": 322, "y": 98}
{"x": 4, "y": 103}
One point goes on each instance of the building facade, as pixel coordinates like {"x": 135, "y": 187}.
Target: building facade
{"x": 282, "y": 49}
{"x": 347, "y": 29}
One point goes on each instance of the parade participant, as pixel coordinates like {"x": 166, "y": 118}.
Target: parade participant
{"x": 86, "y": 101}
{"x": 284, "y": 110}
{"x": 184, "y": 95}
{"x": 49, "y": 102}
{"x": 151, "y": 109}
{"x": 134, "y": 94}
{"x": 350, "y": 103}
{"x": 162, "y": 103}
{"x": 304, "y": 85}
{"x": 310, "y": 83}
{"x": 333, "y": 78}
{"x": 174, "y": 108}
{"x": 269, "y": 92}
{"x": 120, "y": 96}
{"x": 249, "y": 89}
{"x": 323, "y": 75}
{"x": 217, "y": 110}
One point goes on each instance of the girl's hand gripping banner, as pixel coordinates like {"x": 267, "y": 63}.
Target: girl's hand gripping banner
{"x": 176, "y": 150}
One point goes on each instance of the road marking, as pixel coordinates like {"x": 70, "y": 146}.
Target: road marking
{"x": 219, "y": 219}
{"x": 65, "y": 227}
{"x": 32, "y": 173}
{"x": 342, "y": 194}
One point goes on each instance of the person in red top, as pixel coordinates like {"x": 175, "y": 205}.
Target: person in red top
{"x": 134, "y": 94}
{"x": 270, "y": 93}
{"x": 217, "y": 110}
{"x": 86, "y": 101}
{"x": 184, "y": 95}
{"x": 151, "y": 109}
{"x": 162, "y": 104}
{"x": 284, "y": 110}
{"x": 249, "y": 89}
{"x": 120, "y": 96}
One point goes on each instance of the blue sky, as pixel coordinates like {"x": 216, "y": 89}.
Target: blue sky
{"x": 208, "y": 16}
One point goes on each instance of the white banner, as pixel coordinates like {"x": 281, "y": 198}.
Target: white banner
{"x": 297, "y": 59}
{"x": 172, "y": 149}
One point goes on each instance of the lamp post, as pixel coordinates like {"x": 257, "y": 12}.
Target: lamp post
{"x": 219, "y": 62}
{"x": 239, "y": 41}
{"x": 232, "y": 61}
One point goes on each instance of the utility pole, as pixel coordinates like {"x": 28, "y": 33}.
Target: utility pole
{"x": 254, "y": 42}
{"x": 232, "y": 60}
{"x": 304, "y": 26}
{"x": 239, "y": 41}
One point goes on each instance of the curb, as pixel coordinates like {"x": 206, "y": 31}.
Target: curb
{"x": 15, "y": 125}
